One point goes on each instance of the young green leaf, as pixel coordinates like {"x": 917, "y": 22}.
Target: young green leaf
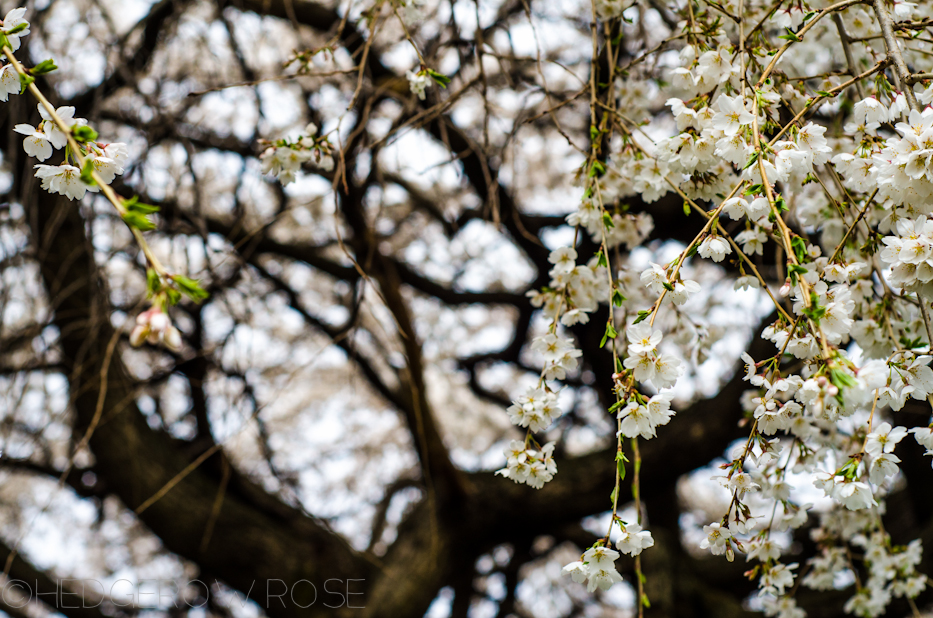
{"x": 138, "y": 220}
{"x": 46, "y": 66}
{"x": 190, "y": 288}
{"x": 83, "y": 134}
{"x": 24, "y": 82}
{"x": 86, "y": 172}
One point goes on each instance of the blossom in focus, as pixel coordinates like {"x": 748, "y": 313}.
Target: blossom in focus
{"x": 64, "y": 179}
{"x": 37, "y": 143}
{"x": 12, "y": 21}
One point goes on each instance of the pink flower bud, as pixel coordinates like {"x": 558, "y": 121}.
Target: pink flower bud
{"x": 159, "y": 322}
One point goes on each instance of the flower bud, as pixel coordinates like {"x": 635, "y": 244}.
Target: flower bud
{"x": 158, "y": 322}
{"x": 172, "y": 339}
{"x": 139, "y": 334}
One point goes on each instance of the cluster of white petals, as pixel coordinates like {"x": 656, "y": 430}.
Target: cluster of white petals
{"x": 534, "y": 467}
{"x": 41, "y": 142}
{"x": 284, "y": 158}
{"x": 418, "y": 83}
{"x": 597, "y": 568}
{"x": 155, "y": 326}
{"x": 835, "y": 197}
{"x": 645, "y": 360}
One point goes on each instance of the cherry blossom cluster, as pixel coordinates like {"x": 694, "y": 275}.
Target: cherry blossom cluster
{"x": 284, "y": 157}
{"x": 155, "y": 326}
{"x": 533, "y": 467}
{"x": 815, "y": 172}
{"x": 848, "y": 212}
{"x": 597, "y": 564}
{"x": 596, "y": 567}
{"x": 575, "y": 291}
{"x": 58, "y": 129}
{"x": 648, "y": 364}
{"x": 90, "y": 165}
{"x": 108, "y": 160}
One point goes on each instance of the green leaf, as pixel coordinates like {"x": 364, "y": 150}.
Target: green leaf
{"x": 4, "y": 42}
{"x": 24, "y": 82}
{"x": 644, "y": 599}
{"x": 136, "y": 206}
{"x": 667, "y": 286}
{"x": 46, "y": 66}
{"x": 848, "y": 470}
{"x": 153, "y": 283}
{"x": 173, "y": 295}
{"x": 642, "y": 316}
{"x": 86, "y": 172}
{"x": 597, "y": 168}
{"x": 751, "y": 161}
{"x": 83, "y": 134}
{"x": 800, "y": 248}
{"x": 841, "y": 379}
{"x": 19, "y": 28}
{"x": 609, "y": 334}
{"x": 190, "y": 288}
{"x": 439, "y": 78}
{"x": 138, "y": 220}
{"x": 601, "y": 258}
{"x": 607, "y": 221}
{"x": 910, "y": 344}
{"x": 814, "y": 312}
{"x": 614, "y": 495}
{"x": 790, "y": 36}
{"x": 687, "y": 209}
{"x": 621, "y": 460}
{"x": 617, "y": 298}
